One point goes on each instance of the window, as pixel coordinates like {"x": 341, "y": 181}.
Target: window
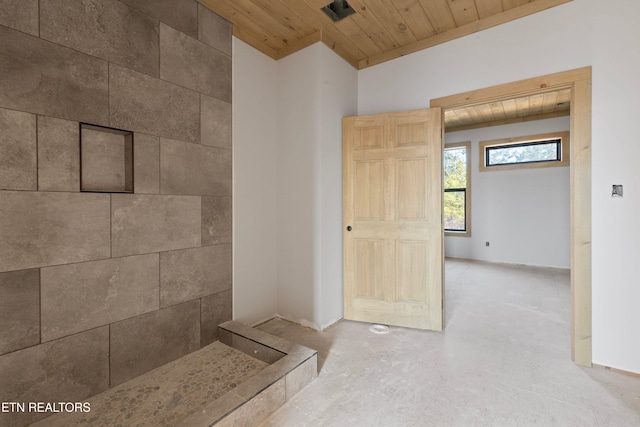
{"x": 535, "y": 151}
{"x": 457, "y": 189}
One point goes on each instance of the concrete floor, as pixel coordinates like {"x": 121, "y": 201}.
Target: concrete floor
{"x": 504, "y": 360}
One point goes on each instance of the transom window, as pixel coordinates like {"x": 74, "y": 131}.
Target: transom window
{"x": 457, "y": 189}
{"x": 525, "y": 152}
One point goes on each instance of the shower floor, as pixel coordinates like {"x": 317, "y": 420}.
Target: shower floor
{"x": 169, "y": 394}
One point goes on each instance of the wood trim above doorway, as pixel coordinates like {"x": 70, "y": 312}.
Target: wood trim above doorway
{"x": 579, "y": 81}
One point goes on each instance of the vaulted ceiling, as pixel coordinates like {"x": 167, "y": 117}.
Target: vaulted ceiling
{"x": 378, "y": 31}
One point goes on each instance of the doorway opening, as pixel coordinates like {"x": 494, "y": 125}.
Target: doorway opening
{"x": 578, "y": 82}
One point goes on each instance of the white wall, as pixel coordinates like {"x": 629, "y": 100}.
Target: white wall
{"x": 579, "y": 33}
{"x": 255, "y": 167}
{"x": 616, "y": 230}
{"x": 298, "y": 184}
{"x": 288, "y": 184}
{"x": 523, "y": 214}
{"x": 339, "y": 99}
{"x": 316, "y": 88}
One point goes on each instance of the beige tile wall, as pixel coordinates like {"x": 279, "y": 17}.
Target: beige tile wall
{"x": 96, "y": 288}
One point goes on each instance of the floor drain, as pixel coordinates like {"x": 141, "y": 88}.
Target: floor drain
{"x": 379, "y": 329}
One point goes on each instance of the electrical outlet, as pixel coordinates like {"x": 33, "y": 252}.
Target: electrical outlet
{"x": 616, "y": 191}
{"x": 486, "y": 243}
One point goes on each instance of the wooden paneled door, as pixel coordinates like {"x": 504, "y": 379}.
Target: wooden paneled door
{"x": 393, "y": 236}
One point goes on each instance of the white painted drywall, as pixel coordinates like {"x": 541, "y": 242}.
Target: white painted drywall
{"x": 339, "y": 98}
{"x": 524, "y": 213}
{"x": 299, "y": 185}
{"x": 579, "y": 33}
{"x": 616, "y": 153}
{"x": 316, "y": 88}
{"x": 288, "y": 184}
{"x": 255, "y": 167}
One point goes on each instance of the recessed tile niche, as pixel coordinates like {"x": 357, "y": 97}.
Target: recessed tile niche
{"x": 106, "y": 159}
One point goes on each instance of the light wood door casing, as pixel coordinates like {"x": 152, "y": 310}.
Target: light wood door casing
{"x": 393, "y": 256}
{"x": 579, "y": 82}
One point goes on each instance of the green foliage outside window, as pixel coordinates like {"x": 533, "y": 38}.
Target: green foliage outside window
{"x": 455, "y": 181}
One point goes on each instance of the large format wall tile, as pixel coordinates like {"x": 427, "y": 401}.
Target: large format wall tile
{"x": 79, "y": 297}
{"x": 180, "y": 14}
{"x": 217, "y": 217}
{"x": 21, "y": 15}
{"x": 149, "y": 105}
{"x": 146, "y": 164}
{"x": 44, "y": 78}
{"x": 18, "y": 151}
{"x": 143, "y": 224}
{"x": 19, "y": 310}
{"x": 41, "y": 229}
{"x": 214, "y": 30}
{"x": 151, "y": 340}
{"x": 215, "y": 118}
{"x": 126, "y": 36}
{"x": 194, "y": 273}
{"x": 194, "y": 169}
{"x": 58, "y": 155}
{"x": 66, "y": 370}
{"x": 193, "y": 64}
{"x": 216, "y": 309}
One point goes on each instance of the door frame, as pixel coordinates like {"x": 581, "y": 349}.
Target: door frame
{"x": 579, "y": 81}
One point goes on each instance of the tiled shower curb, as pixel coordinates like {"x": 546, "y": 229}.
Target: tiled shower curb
{"x": 292, "y": 367}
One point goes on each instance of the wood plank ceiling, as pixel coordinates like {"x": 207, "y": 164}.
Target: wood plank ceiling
{"x": 526, "y": 108}
{"x": 379, "y": 31}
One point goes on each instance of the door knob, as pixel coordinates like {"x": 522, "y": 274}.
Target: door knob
{"x": 349, "y": 228}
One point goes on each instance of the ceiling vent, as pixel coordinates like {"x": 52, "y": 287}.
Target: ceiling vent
{"x": 338, "y": 10}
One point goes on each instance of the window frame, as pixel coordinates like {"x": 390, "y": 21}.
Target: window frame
{"x": 565, "y": 144}
{"x": 467, "y": 191}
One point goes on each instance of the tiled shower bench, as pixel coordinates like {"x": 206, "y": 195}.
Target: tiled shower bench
{"x": 237, "y": 381}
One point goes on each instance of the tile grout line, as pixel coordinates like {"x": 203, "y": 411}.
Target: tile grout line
{"x": 159, "y": 166}
{"x": 40, "y": 301}
{"x": 159, "y": 48}
{"x": 109, "y": 352}
{"x": 110, "y": 226}
{"x": 159, "y": 284}
{"x": 37, "y": 152}
{"x": 109, "y": 93}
